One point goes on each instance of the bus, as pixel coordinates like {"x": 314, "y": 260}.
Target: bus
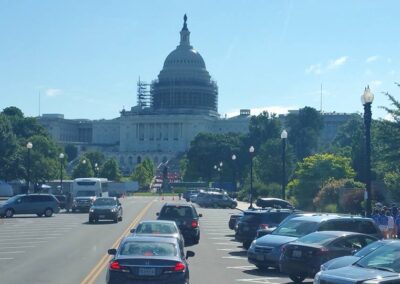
{"x": 89, "y": 186}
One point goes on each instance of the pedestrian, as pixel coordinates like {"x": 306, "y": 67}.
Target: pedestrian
{"x": 375, "y": 216}
{"x": 383, "y": 223}
{"x": 397, "y": 226}
{"x": 69, "y": 201}
{"x": 390, "y": 230}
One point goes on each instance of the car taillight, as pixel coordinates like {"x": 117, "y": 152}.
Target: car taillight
{"x": 179, "y": 267}
{"x": 195, "y": 223}
{"x": 115, "y": 265}
{"x": 322, "y": 251}
{"x": 263, "y": 226}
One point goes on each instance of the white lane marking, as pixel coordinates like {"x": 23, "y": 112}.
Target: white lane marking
{"x": 17, "y": 247}
{"x": 222, "y": 238}
{"x": 6, "y": 252}
{"x": 242, "y": 267}
{"x": 226, "y": 244}
{"x": 6, "y": 258}
{"x": 217, "y": 234}
{"x": 227, "y": 249}
{"x": 9, "y": 236}
{"x": 17, "y": 243}
{"x": 235, "y": 257}
{"x": 266, "y": 280}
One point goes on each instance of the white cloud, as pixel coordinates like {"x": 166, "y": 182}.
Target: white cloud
{"x": 336, "y": 63}
{"x": 372, "y": 59}
{"x": 388, "y": 117}
{"x": 314, "y": 69}
{"x": 375, "y": 83}
{"x": 318, "y": 68}
{"x": 269, "y": 109}
{"x": 53, "y": 92}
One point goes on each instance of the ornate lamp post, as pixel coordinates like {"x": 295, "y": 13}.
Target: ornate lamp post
{"x": 251, "y": 151}
{"x": 367, "y": 98}
{"x": 234, "y": 171}
{"x": 283, "y": 137}
{"x": 96, "y": 169}
{"x": 29, "y": 146}
{"x": 61, "y": 156}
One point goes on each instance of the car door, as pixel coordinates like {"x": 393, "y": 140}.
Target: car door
{"x": 24, "y": 205}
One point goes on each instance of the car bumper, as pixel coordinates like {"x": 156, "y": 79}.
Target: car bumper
{"x": 263, "y": 259}
{"x": 103, "y": 215}
{"x": 114, "y": 277}
{"x": 190, "y": 234}
{"x": 299, "y": 267}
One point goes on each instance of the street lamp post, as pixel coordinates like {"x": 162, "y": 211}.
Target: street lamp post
{"x": 96, "y": 169}
{"x": 29, "y": 146}
{"x": 251, "y": 151}
{"x": 367, "y": 99}
{"x": 234, "y": 171}
{"x": 61, "y": 156}
{"x": 220, "y": 173}
{"x": 283, "y": 137}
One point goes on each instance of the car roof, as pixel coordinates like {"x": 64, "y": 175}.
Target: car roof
{"x": 178, "y": 205}
{"x": 158, "y": 221}
{"x": 266, "y": 210}
{"x": 113, "y": 198}
{"x": 338, "y": 233}
{"x": 323, "y": 217}
{"x": 147, "y": 238}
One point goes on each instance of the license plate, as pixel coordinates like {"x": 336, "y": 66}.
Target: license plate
{"x": 260, "y": 257}
{"x": 147, "y": 271}
{"x": 296, "y": 253}
{"x": 102, "y": 216}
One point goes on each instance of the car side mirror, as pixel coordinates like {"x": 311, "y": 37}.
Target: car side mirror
{"x": 354, "y": 251}
{"x": 158, "y": 214}
{"x": 133, "y": 230}
{"x": 119, "y": 204}
{"x": 112, "y": 251}
{"x": 189, "y": 253}
{"x": 200, "y": 215}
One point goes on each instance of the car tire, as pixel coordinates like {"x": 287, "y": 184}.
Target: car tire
{"x": 246, "y": 244}
{"x": 91, "y": 220}
{"x": 48, "y": 212}
{"x": 9, "y": 213}
{"x": 120, "y": 218}
{"x": 39, "y": 214}
{"x": 116, "y": 220}
{"x": 73, "y": 210}
{"x": 262, "y": 267}
{"x": 297, "y": 278}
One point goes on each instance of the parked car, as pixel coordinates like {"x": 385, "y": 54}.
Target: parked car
{"x": 159, "y": 228}
{"x": 105, "y": 208}
{"x": 185, "y": 217}
{"x": 350, "y": 259}
{"x": 265, "y": 231}
{"x": 39, "y": 204}
{"x": 186, "y": 195}
{"x": 380, "y": 266}
{"x": 233, "y": 219}
{"x": 264, "y": 252}
{"x": 62, "y": 200}
{"x": 252, "y": 220}
{"x": 141, "y": 259}
{"x": 303, "y": 258}
{"x": 215, "y": 199}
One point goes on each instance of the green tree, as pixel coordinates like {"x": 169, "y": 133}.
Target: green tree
{"x": 313, "y": 172}
{"x": 304, "y": 129}
{"x": 144, "y": 173}
{"x": 83, "y": 169}
{"x": 110, "y": 170}
{"x": 95, "y": 157}
{"x": 71, "y": 151}
{"x": 23, "y": 127}
{"x": 263, "y": 127}
{"x": 8, "y": 150}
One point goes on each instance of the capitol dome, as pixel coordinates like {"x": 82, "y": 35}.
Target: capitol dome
{"x": 184, "y": 84}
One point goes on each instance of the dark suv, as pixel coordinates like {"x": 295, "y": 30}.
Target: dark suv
{"x": 39, "y": 204}
{"x": 185, "y": 217}
{"x": 215, "y": 199}
{"x": 252, "y": 220}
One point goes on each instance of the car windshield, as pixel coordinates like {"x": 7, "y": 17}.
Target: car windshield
{"x": 156, "y": 228}
{"x": 105, "y": 202}
{"x": 148, "y": 249}
{"x": 86, "y": 193}
{"x": 317, "y": 238}
{"x": 369, "y": 248}
{"x": 383, "y": 258}
{"x": 296, "y": 228}
{"x": 12, "y": 199}
{"x": 176, "y": 212}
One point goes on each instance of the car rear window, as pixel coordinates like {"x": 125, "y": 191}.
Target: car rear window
{"x": 296, "y": 228}
{"x": 155, "y": 228}
{"x": 357, "y": 226}
{"x": 148, "y": 249}
{"x": 177, "y": 212}
{"x": 317, "y": 238}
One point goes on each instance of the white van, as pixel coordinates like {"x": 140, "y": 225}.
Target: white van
{"x": 5, "y": 189}
{"x": 85, "y": 191}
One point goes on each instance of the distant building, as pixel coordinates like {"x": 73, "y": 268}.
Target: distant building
{"x": 181, "y": 103}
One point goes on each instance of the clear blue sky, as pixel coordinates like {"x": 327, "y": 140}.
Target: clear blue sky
{"x": 85, "y": 57}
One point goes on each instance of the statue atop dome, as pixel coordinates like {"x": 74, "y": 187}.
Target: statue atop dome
{"x": 185, "y": 40}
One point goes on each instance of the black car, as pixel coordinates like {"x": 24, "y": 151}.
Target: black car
{"x": 215, "y": 200}
{"x": 62, "y": 200}
{"x": 233, "y": 220}
{"x": 185, "y": 217}
{"x": 105, "y": 208}
{"x": 273, "y": 203}
{"x": 147, "y": 260}
{"x": 303, "y": 257}
{"x": 252, "y": 220}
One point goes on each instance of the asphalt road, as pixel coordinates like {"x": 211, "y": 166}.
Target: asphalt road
{"x": 66, "y": 249}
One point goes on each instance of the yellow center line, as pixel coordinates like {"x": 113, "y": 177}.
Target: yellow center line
{"x": 101, "y": 265}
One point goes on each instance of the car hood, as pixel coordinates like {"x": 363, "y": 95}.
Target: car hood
{"x": 274, "y": 240}
{"x": 340, "y": 262}
{"x": 354, "y": 274}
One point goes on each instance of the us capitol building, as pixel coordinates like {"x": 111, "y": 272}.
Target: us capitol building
{"x": 170, "y": 112}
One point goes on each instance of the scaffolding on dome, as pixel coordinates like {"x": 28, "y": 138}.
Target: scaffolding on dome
{"x": 144, "y": 99}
